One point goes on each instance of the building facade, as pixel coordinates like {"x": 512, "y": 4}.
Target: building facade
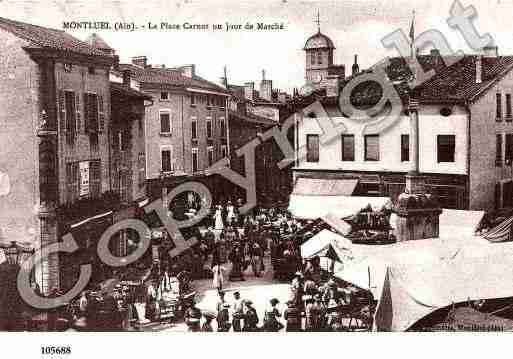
{"x": 463, "y": 141}
{"x": 54, "y": 144}
{"x": 186, "y": 127}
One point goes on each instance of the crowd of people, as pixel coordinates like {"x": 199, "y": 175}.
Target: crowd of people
{"x": 312, "y": 306}
{"x": 315, "y": 303}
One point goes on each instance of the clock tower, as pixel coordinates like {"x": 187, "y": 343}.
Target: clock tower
{"x": 319, "y": 51}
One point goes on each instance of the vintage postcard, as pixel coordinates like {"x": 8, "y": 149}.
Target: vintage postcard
{"x": 277, "y": 166}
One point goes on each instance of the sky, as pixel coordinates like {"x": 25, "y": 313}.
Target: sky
{"x": 356, "y": 27}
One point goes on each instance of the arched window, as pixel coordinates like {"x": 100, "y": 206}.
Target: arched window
{"x": 319, "y": 58}
{"x": 313, "y": 58}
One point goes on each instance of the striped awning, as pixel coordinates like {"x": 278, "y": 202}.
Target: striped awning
{"x": 501, "y": 233}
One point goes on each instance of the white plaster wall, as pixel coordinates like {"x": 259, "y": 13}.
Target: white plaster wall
{"x": 431, "y": 124}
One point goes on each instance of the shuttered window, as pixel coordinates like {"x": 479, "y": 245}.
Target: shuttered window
{"x": 210, "y": 155}
{"x": 499, "y": 106}
{"x": 508, "y": 107}
{"x": 91, "y": 114}
{"x": 223, "y": 127}
{"x": 166, "y": 160}
{"x": 312, "y": 148}
{"x": 72, "y": 181}
{"x": 71, "y": 124}
{"x": 194, "y": 130}
{"x": 371, "y": 147}
{"x": 347, "y": 147}
{"x": 498, "y": 150}
{"x": 508, "y": 155}
{"x": 195, "y": 165}
{"x": 95, "y": 175}
{"x": 165, "y": 122}
{"x": 209, "y": 129}
{"x": 405, "y": 148}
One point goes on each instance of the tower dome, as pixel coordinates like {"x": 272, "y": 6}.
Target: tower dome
{"x": 318, "y": 41}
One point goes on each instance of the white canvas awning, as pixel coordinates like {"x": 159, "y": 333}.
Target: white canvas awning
{"x": 325, "y": 187}
{"x": 412, "y": 292}
{"x": 312, "y": 207}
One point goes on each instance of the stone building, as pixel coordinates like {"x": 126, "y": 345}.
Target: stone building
{"x": 252, "y": 113}
{"x": 186, "y": 128}
{"x": 55, "y": 100}
{"x": 462, "y": 143}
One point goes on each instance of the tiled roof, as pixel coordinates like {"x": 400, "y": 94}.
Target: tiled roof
{"x": 458, "y": 81}
{"x": 173, "y": 77}
{"x": 252, "y": 118}
{"x": 455, "y": 83}
{"x": 47, "y": 38}
{"x": 121, "y": 90}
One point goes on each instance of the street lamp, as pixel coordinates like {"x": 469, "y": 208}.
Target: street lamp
{"x": 15, "y": 253}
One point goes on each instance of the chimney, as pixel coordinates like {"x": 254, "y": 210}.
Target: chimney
{"x": 249, "y": 89}
{"x": 356, "y": 67}
{"x": 188, "y": 70}
{"x": 127, "y": 78}
{"x": 479, "y": 69}
{"x": 491, "y": 51}
{"x": 141, "y": 61}
{"x": 266, "y": 88}
{"x": 332, "y": 85}
{"x": 437, "y": 61}
{"x": 223, "y": 80}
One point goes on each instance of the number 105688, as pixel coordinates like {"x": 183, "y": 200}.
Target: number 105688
{"x": 55, "y": 350}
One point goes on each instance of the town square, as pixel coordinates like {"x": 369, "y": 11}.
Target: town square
{"x": 309, "y": 185}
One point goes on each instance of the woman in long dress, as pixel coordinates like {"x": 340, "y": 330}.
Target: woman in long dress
{"x": 230, "y": 216}
{"x": 218, "y": 279}
{"x": 218, "y": 218}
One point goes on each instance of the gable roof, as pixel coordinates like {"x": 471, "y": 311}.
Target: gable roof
{"x": 171, "y": 77}
{"x": 46, "y": 38}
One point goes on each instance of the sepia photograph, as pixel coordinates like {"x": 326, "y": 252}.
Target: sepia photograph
{"x": 281, "y": 166}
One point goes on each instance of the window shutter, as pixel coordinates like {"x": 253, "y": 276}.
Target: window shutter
{"x": 76, "y": 180}
{"x": 62, "y": 111}
{"x": 101, "y": 114}
{"x": 78, "y": 116}
{"x": 86, "y": 112}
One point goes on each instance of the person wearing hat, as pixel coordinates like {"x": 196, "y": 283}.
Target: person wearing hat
{"x": 238, "y": 312}
{"x": 223, "y": 318}
{"x": 271, "y": 322}
{"x": 207, "y": 325}
{"x": 250, "y": 318}
{"x": 293, "y": 317}
{"x": 314, "y": 312}
{"x": 193, "y": 318}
